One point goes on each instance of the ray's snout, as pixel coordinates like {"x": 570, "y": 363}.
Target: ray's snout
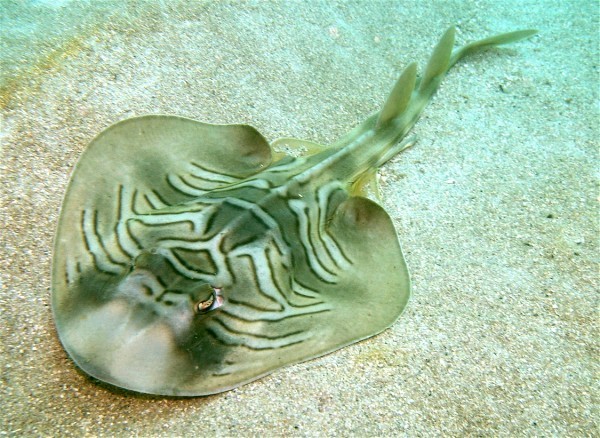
{"x": 134, "y": 337}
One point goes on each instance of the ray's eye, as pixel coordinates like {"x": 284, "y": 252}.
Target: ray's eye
{"x": 213, "y": 302}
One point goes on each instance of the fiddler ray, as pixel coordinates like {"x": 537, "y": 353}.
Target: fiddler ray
{"x": 190, "y": 258}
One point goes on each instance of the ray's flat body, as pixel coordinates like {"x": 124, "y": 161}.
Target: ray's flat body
{"x": 191, "y": 259}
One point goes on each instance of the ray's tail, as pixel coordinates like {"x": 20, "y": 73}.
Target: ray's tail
{"x": 409, "y": 97}
{"x": 410, "y": 94}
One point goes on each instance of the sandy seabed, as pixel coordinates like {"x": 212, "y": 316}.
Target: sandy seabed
{"x": 496, "y": 206}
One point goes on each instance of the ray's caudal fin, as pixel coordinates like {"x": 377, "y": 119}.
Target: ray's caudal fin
{"x": 187, "y": 261}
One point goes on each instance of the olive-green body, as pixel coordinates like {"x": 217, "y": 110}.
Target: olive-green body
{"x": 191, "y": 258}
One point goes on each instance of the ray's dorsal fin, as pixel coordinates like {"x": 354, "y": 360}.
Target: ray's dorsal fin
{"x": 400, "y": 96}
{"x": 440, "y": 59}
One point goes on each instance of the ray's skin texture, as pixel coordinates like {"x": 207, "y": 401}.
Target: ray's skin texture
{"x": 190, "y": 259}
